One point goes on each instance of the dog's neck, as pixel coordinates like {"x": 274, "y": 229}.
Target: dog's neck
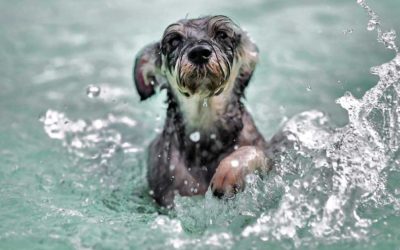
{"x": 201, "y": 113}
{"x": 206, "y": 115}
{"x": 197, "y": 113}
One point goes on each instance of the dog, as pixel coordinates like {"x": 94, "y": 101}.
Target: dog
{"x": 209, "y": 138}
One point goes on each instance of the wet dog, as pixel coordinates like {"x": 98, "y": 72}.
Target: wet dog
{"x": 209, "y": 139}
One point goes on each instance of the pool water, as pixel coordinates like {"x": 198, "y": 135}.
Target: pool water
{"x": 73, "y": 134}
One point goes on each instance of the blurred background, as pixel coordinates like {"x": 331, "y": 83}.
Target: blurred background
{"x": 54, "y": 191}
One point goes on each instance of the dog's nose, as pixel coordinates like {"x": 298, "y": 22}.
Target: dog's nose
{"x": 200, "y": 54}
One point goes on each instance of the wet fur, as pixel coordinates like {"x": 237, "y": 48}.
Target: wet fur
{"x": 176, "y": 164}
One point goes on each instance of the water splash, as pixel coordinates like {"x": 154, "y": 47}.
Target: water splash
{"x": 346, "y": 171}
{"x": 329, "y": 185}
{"x": 387, "y": 38}
{"x": 96, "y": 139}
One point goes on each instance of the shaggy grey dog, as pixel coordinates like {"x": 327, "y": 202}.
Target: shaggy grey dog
{"x": 209, "y": 139}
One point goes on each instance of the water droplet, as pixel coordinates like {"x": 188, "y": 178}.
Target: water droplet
{"x": 372, "y": 24}
{"x": 205, "y": 102}
{"x": 251, "y": 178}
{"x": 93, "y": 91}
{"x": 41, "y": 118}
{"x": 347, "y": 31}
{"x": 235, "y": 163}
{"x": 308, "y": 88}
{"x": 171, "y": 167}
{"x": 195, "y": 136}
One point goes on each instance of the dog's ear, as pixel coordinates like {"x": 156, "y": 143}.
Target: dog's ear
{"x": 146, "y": 71}
{"x": 249, "y": 57}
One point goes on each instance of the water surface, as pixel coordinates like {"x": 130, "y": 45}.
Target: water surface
{"x": 72, "y": 168}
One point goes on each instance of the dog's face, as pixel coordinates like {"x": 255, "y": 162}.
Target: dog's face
{"x": 200, "y": 56}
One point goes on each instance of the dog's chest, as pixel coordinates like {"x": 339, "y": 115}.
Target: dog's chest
{"x": 202, "y": 113}
{"x": 206, "y": 147}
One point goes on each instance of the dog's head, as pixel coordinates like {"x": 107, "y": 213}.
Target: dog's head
{"x": 200, "y": 56}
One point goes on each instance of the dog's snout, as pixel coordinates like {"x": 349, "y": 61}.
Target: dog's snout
{"x": 200, "y": 54}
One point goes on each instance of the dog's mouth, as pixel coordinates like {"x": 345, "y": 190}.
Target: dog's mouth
{"x": 202, "y": 70}
{"x": 201, "y": 80}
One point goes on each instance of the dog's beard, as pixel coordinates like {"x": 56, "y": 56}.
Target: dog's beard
{"x": 207, "y": 79}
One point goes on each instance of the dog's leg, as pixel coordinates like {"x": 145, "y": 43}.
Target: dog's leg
{"x": 168, "y": 174}
{"x": 229, "y": 177}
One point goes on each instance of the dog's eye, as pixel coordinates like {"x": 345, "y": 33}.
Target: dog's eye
{"x": 221, "y": 35}
{"x": 175, "y": 41}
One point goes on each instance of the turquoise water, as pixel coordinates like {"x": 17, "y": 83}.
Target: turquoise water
{"x": 72, "y": 168}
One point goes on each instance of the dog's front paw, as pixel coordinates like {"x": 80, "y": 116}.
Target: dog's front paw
{"x": 228, "y": 179}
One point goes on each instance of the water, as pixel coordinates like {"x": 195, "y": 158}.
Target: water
{"x": 73, "y": 134}
{"x": 93, "y": 91}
